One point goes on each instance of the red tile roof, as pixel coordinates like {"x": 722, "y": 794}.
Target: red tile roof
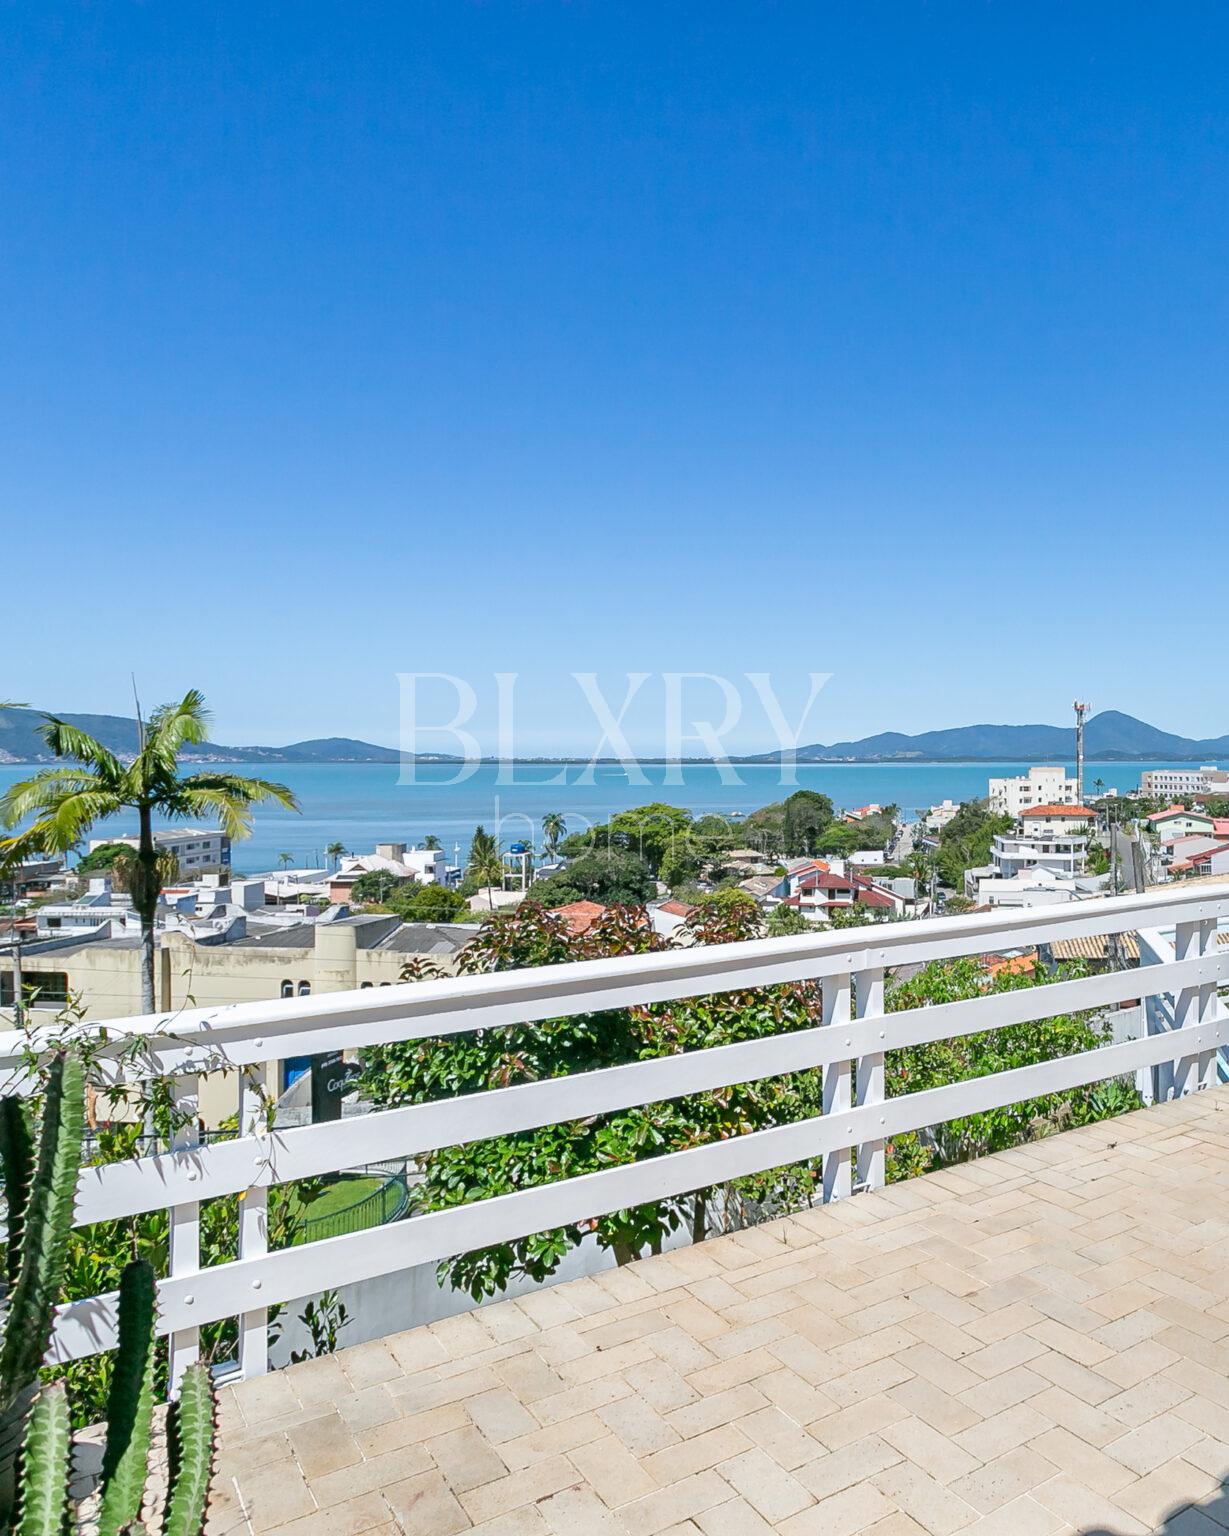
{"x": 1178, "y": 810}
{"x": 1053, "y": 811}
{"x": 579, "y": 915}
{"x": 826, "y": 882}
{"x": 677, "y": 908}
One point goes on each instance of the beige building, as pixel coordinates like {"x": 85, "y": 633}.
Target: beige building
{"x": 103, "y": 975}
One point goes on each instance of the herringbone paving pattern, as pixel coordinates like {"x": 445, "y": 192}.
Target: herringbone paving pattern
{"x": 1034, "y": 1343}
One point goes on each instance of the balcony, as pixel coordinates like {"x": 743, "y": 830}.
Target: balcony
{"x": 1033, "y": 1341}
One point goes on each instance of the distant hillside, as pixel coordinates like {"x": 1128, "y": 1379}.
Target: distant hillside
{"x": 21, "y": 743}
{"x": 1109, "y": 736}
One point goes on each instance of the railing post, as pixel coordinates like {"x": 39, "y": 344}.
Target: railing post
{"x": 871, "y": 1165}
{"x": 838, "y": 1182}
{"x": 253, "y": 1224}
{"x": 184, "y": 1243}
{"x": 1155, "y": 1083}
{"x": 1194, "y": 1005}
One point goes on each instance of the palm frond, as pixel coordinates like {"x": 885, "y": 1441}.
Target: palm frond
{"x": 16, "y": 850}
{"x": 241, "y": 787}
{"x": 69, "y": 817}
{"x": 43, "y": 790}
{"x": 67, "y": 740}
{"x": 231, "y": 815}
{"x": 172, "y": 726}
{"x": 229, "y": 797}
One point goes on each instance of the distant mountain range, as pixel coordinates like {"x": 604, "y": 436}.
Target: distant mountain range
{"x": 1109, "y": 737}
{"x": 21, "y": 743}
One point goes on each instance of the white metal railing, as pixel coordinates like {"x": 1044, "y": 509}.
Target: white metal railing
{"x": 1187, "y": 1026}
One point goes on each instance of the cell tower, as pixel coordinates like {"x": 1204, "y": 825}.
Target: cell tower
{"x": 1080, "y": 711}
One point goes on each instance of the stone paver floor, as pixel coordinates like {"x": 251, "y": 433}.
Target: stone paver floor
{"x": 1031, "y": 1344}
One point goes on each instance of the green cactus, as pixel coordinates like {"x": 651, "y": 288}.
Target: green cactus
{"x": 46, "y": 1459}
{"x": 130, "y": 1406}
{"x": 41, "y": 1193}
{"x": 191, "y": 1437}
{"x": 46, "y": 1223}
{"x": 17, "y": 1157}
{"x": 45, "y": 1220}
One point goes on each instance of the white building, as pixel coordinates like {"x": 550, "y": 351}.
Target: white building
{"x": 1209, "y": 861}
{"x": 1042, "y": 785}
{"x": 1208, "y": 780}
{"x": 938, "y": 816}
{"x": 426, "y": 865}
{"x": 1037, "y": 887}
{"x": 196, "y": 848}
{"x": 1047, "y": 852}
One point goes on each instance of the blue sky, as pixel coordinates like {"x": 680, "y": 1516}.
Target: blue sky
{"x": 349, "y": 340}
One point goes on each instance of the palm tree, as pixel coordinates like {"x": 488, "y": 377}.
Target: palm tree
{"x": 554, "y": 829}
{"x": 65, "y": 802}
{"x": 334, "y": 851}
{"x": 1098, "y": 785}
{"x": 488, "y": 870}
{"x": 431, "y": 843}
{"x": 285, "y": 860}
{"x": 481, "y": 847}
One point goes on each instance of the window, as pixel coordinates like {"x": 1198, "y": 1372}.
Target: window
{"x": 288, "y": 989}
{"x": 363, "y": 985}
{"x": 40, "y": 988}
{"x": 305, "y": 989}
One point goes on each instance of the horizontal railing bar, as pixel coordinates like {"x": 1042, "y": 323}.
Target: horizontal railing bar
{"x": 226, "y": 1167}
{"x": 245, "y": 1034}
{"x": 226, "y": 1290}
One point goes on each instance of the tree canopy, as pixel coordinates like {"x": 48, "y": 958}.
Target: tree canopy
{"x": 613, "y": 877}
{"x": 965, "y": 842}
{"x": 420, "y": 1071}
{"x": 791, "y": 827}
{"x": 99, "y": 860}
{"x": 648, "y": 831}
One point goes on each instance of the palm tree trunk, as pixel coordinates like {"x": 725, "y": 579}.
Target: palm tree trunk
{"x": 147, "y": 883}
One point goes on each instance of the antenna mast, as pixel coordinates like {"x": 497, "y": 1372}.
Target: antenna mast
{"x": 1080, "y": 711}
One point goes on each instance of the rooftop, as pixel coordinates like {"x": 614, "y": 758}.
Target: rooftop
{"x": 1035, "y": 1342}
{"x": 579, "y": 915}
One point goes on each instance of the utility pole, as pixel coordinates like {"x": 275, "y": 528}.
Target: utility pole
{"x": 18, "y": 981}
{"x": 1080, "y": 711}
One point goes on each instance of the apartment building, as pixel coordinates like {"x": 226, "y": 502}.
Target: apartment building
{"x": 1045, "y": 784}
{"x": 1208, "y": 780}
{"x": 196, "y": 848}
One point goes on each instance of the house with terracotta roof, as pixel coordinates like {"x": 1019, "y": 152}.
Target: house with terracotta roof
{"x": 819, "y": 894}
{"x": 798, "y": 870}
{"x": 1052, "y": 819}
